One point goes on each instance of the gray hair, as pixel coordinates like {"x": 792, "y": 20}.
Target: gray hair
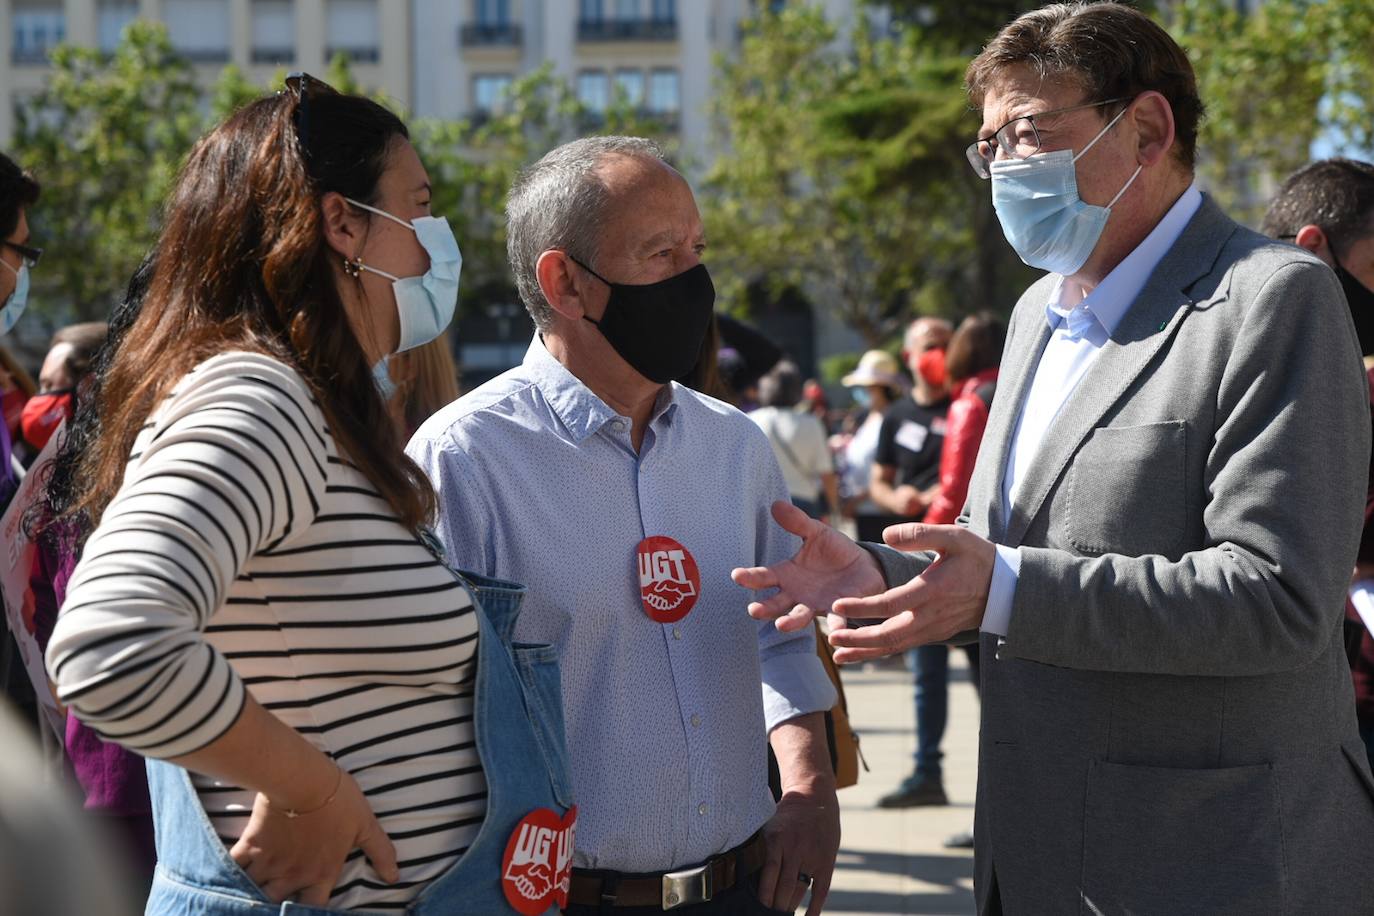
{"x": 560, "y": 203}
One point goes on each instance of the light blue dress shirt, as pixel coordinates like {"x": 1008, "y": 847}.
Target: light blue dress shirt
{"x": 667, "y": 725}
{"x": 1082, "y": 326}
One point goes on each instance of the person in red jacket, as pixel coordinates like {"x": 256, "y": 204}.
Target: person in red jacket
{"x": 974, "y": 353}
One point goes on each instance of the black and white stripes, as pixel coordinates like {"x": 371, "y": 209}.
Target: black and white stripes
{"x": 244, "y": 553}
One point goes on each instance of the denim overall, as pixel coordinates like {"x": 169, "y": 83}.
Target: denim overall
{"x": 518, "y": 721}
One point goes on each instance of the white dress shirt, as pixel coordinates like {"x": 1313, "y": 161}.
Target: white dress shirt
{"x": 1082, "y": 325}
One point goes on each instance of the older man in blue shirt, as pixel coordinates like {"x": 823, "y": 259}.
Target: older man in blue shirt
{"x": 623, "y": 500}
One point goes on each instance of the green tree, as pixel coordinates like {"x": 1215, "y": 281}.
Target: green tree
{"x": 1273, "y": 80}
{"x": 105, "y": 138}
{"x": 844, "y": 176}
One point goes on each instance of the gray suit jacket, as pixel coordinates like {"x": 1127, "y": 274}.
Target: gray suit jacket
{"x": 1168, "y": 727}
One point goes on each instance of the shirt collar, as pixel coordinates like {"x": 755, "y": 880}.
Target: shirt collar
{"x": 581, "y": 412}
{"x": 1109, "y": 302}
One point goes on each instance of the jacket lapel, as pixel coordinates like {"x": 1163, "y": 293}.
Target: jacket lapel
{"x": 1144, "y": 331}
{"x": 1014, "y": 381}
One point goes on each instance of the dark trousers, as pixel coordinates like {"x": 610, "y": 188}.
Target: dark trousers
{"x": 740, "y": 900}
{"x": 932, "y": 702}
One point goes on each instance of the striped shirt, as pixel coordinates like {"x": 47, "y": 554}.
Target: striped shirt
{"x": 243, "y": 553}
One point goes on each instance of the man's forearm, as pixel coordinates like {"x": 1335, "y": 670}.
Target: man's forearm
{"x": 803, "y": 754}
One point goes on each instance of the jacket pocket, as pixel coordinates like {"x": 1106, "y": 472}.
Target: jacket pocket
{"x": 1126, "y": 491}
{"x": 1175, "y": 841}
{"x": 542, "y": 685}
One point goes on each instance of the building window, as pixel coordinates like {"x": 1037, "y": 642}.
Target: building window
{"x": 665, "y": 10}
{"x": 592, "y": 91}
{"x": 664, "y": 95}
{"x": 590, "y": 11}
{"x": 629, "y": 86}
{"x": 38, "y": 28}
{"x": 351, "y": 29}
{"x": 489, "y": 92}
{"x": 114, "y": 15}
{"x": 274, "y": 31}
{"x": 627, "y": 10}
{"x": 493, "y": 12}
{"x": 199, "y": 28}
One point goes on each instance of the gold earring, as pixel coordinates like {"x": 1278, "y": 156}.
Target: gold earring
{"x": 354, "y": 267}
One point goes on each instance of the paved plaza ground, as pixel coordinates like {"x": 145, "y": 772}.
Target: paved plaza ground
{"x": 893, "y": 862}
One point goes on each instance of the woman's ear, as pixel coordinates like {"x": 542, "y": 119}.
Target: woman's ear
{"x": 345, "y": 228}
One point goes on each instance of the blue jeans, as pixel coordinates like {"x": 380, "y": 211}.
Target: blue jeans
{"x": 931, "y": 664}
{"x": 518, "y": 721}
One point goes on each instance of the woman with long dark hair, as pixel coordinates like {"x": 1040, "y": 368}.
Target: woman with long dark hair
{"x": 331, "y": 715}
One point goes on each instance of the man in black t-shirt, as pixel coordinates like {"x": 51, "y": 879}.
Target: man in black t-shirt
{"x": 906, "y": 480}
{"x": 906, "y": 466}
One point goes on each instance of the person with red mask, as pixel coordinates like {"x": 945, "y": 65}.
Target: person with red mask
{"x": 64, "y": 368}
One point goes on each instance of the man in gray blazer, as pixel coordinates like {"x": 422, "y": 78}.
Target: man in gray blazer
{"x": 1161, "y": 526}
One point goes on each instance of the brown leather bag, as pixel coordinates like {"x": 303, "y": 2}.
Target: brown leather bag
{"x": 845, "y": 754}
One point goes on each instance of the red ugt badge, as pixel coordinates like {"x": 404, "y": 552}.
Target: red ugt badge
{"x": 669, "y": 581}
{"x": 537, "y": 869}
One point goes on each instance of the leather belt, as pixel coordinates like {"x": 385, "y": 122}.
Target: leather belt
{"x": 669, "y": 890}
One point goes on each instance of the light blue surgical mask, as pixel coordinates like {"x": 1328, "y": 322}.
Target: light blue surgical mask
{"x": 381, "y": 377}
{"x": 861, "y": 397}
{"x": 18, "y": 300}
{"x": 425, "y": 303}
{"x": 1042, "y": 216}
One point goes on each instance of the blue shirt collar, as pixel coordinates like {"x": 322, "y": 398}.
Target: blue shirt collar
{"x": 1109, "y": 302}
{"x": 580, "y": 411}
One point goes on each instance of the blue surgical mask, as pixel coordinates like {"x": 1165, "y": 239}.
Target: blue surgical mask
{"x": 861, "y": 397}
{"x": 15, "y": 304}
{"x": 425, "y": 303}
{"x": 1042, "y": 216}
{"x": 381, "y": 377}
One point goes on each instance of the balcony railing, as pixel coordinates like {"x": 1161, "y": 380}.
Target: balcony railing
{"x": 490, "y": 35}
{"x": 274, "y": 55}
{"x": 627, "y": 30}
{"x": 30, "y": 56}
{"x": 358, "y": 54}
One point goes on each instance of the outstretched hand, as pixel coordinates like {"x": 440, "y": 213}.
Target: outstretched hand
{"x": 949, "y": 597}
{"x": 829, "y": 567}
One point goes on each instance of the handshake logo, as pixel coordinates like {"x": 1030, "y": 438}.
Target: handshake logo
{"x": 669, "y": 581}
{"x": 537, "y": 869}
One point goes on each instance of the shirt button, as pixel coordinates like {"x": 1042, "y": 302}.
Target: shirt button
{"x": 702, "y": 809}
{"x": 696, "y": 721}
{"x": 677, "y": 634}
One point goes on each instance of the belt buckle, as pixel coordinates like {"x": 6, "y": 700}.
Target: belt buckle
{"x": 682, "y": 888}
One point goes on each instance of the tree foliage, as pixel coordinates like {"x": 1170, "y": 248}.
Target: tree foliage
{"x": 105, "y": 138}
{"x": 844, "y": 175}
{"x": 108, "y": 134}
{"x": 1274, "y": 80}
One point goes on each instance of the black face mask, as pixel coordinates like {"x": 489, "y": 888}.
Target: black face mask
{"x": 658, "y": 327}
{"x": 1361, "y": 299}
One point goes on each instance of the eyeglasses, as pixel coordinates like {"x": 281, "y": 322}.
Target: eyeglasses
{"x": 301, "y": 85}
{"x": 30, "y": 255}
{"x": 1018, "y": 138}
